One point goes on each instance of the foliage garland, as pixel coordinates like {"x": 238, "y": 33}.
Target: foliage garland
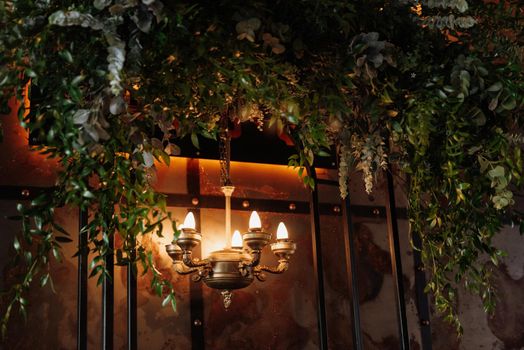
{"x": 434, "y": 87}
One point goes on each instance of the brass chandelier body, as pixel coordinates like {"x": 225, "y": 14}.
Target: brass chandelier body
{"x": 237, "y": 265}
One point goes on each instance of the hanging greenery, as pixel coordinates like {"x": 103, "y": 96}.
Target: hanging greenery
{"x": 434, "y": 88}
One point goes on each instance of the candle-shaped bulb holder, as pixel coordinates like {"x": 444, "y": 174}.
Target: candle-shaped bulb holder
{"x": 189, "y": 237}
{"x": 174, "y": 252}
{"x": 284, "y": 247}
{"x": 256, "y": 239}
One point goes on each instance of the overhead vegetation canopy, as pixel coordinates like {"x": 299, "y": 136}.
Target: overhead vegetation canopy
{"x": 434, "y": 88}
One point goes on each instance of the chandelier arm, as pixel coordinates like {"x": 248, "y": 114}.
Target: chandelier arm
{"x": 182, "y": 269}
{"x": 255, "y": 260}
{"x": 283, "y": 265}
{"x": 190, "y": 262}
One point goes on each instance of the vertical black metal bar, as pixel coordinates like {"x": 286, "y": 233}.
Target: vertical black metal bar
{"x": 132, "y": 304}
{"x": 195, "y": 289}
{"x": 108, "y": 294}
{"x": 81, "y": 336}
{"x": 351, "y": 262}
{"x": 317, "y": 264}
{"x": 396, "y": 264}
{"x": 422, "y": 298}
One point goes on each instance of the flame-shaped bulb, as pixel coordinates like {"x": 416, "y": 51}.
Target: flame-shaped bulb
{"x": 189, "y": 222}
{"x": 282, "y": 231}
{"x": 254, "y": 222}
{"x": 236, "y": 240}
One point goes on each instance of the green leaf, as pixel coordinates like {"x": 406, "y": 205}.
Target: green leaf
{"x": 173, "y": 304}
{"x": 498, "y": 171}
{"x": 96, "y": 270}
{"x": 323, "y": 153}
{"x": 66, "y": 55}
{"x": 166, "y": 300}
{"x": 194, "y": 140}
{"x": 208, "y": 135}
{"x": 495, "y": 87}
{"x": 292, "y": 119}
{"x": 59, "y": 228}
{"x": 509, "y": 103}
{"x": 30, "y": 73}
{"x": 56, "y": 253}
{"x": 88, "y": 194}
{"x": 101, "y": 279}
{"x": 16, "y": 244}
{"x": 164, "y": 156}
{"x": 441, "y": 94}
{"x": 63, "y": 239}
{"x": 44, "y": 279}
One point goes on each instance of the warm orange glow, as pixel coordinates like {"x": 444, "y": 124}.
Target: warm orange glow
{"x": 254, "y": 221}
{"x": 32, "y": 168}
{"x": 282, "y": 231}
{"x": 189, "y": 222}
{"x": 122, "y": 154}
{"x": 236, "y": 241}
{"x": 417, "y": 9}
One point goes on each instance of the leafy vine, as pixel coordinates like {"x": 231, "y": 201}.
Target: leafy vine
{"x": 434, "y": 86}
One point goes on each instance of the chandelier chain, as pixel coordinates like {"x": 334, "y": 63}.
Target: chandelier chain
{"x": 225, "y": 157}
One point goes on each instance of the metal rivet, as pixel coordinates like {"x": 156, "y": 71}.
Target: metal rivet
{"x": 292, "y": 206}
{"x": 376, "y": 211}
{"x": 336, "y": 209}
{"x": 197, "y": 322}
{"x": 245, "y": 204}
{"x": 420, "y": 268}
{"x": 195, "y": 201}
{"x": 425, "y": 322}
{"x": 25, "y": 193}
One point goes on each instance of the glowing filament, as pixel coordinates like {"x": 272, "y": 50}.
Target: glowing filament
{"x": 282, "y": 231}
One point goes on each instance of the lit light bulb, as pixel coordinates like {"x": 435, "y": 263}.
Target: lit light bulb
{"x": 254, "y": 222}
{"x": 282, "y": 231}
{"x": 236, "y": 240}
{"x": 189, "y": 222}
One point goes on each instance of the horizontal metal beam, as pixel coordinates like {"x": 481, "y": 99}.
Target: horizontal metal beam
{"x": 327, "y": 182}
{"x": 217, "y": 202}
{"x": 276, "y": 206}
{"x": 22, "y": 192}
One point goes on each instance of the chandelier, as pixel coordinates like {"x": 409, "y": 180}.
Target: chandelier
{"x": 238, "y": 264}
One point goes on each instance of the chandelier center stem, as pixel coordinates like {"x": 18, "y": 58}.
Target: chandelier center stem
{"x": 228, "y": 191}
